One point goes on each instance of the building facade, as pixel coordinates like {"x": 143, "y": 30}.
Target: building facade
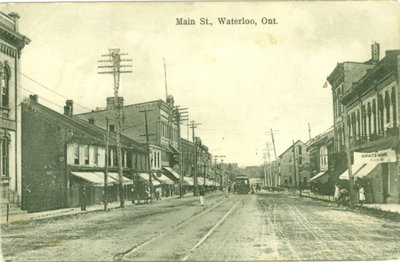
{"x": 161, "y": 122}
{"x": 11, "y": 45}
{"x": 72, "y": 157}
{"x": 320, "y": 149}
{"x": 294, "y": 165}
{"x": 371, "y": 102}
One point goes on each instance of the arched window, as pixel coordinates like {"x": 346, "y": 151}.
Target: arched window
{"x": 5, "y": 85}
{"x": 369, "y": 112}
{"x": 387, "y": 106}
{"x": 393, "y": 98}
{"x": 4, "y": 154}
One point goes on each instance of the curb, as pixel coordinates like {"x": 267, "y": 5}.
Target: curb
{"x": 377, "y": 212}
{"x": 72, "y": 212}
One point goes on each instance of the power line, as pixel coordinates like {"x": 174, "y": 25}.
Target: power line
{"x": 43, "y": 98}
{"x": 50, "y": 90}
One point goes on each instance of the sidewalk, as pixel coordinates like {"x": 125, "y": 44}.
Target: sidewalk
{"x": 393, "y": 208}
{"x": 76, "y": 210}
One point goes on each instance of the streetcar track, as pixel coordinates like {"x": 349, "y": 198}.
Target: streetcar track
{"x": 278, "y": 228}
{"x": 205, "y": 237}
{"x": 119, "y": 256}
{"x": 329, "y": 238}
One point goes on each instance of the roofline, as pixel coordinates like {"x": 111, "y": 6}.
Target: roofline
{"x": 291, "y": 147}
{"x": 125, "y": 106}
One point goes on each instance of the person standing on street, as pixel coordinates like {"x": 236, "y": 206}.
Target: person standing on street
{"x": 83, "y": 199}
{"x": 337, "y": 193}
{"x": 202, "y": 193}
{"x": 361, "y": 195}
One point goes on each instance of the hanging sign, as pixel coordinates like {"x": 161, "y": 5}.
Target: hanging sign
{"x": 383, "y": 156}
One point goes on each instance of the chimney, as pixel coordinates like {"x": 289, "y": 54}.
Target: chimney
{"x": 34, "y": 98}
{"x": 91, "y": 120}
{"x": 111, "y": 102}
{"x": 15, "y": 16}
{"x": 375, "y": 50}
{"x": 68, "y": 108}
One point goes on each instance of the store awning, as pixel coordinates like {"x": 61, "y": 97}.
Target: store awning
{"x": 164, "y": 179}
{"x": 91, "y": 177}
{"x": 188, "y": 180}
{"x": 173, "y": 149}
{"x": 359, "y": 171}
{"x": 200, "y": 180}
{"x": 317, "y": 176}
{"x": 145, "y": 177}
{"x": 172, "y": 172}
{"x": 114, "y": 178}
{"x": 209, "y": 182}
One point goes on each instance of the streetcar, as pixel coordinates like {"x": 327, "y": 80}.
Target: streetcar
{"x": 241, "y": 185}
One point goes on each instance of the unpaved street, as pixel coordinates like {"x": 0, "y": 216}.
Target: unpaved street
{"x": 264, "y": 226}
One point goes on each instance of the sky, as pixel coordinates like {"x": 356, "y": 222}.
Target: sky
{"x": 238, "y": 81}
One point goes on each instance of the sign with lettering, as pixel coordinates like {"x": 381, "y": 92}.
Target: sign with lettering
{"x": 383, "y": 156}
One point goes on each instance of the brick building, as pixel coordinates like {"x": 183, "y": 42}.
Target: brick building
{"x": 161, "y": 123}
{"x": 11, "y": 45}
{"x": 71, "y": 156}
{"x": 372, "y": 104}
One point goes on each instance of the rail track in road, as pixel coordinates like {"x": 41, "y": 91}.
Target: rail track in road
{"x": 172, "y": 229}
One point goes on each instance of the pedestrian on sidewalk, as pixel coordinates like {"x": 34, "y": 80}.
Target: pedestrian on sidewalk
{"x": 158, "y": 193}
{"x": 337, "y": 193}
{"x": 343, "y": 193}
{"x": 361, "y": 195}
{"x": 202, "y": 193}
{"x": 83, "y": 198}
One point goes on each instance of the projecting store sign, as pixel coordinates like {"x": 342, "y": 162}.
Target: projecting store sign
{"x": 384, "y": 156}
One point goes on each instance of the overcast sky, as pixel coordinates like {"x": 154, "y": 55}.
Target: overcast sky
{"x": 238, "y": 81}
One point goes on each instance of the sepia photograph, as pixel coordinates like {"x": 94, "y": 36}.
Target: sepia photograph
{"x": 200, "y": 131}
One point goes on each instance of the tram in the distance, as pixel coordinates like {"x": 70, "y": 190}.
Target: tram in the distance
{"x": 241, "y": 185}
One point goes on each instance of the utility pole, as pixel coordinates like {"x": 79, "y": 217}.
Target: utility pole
{"x": 193, "y": 126}
{"x": 272, "y": 132}
{"x": 294, "y": 165}
{"x": 215, "y": 167}
{"x": 148, "y": 151}
{"x": 114, "y": 57}
{"x": 181, "y": 114}
{"x": 106, "y": 169}
{"x": 348, "y": 155}
{"x": 269, "y": 167}
{"x": 309, "y": 132}
{"x": 165, "y": 78}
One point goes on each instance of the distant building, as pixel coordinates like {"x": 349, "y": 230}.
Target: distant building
{"x": 61, "y": 155}
{"x": 161, "y": 123}
{"x": 11, "y": 45}
{"x": 320, "y": 149}
{"x": 295, "y": 166}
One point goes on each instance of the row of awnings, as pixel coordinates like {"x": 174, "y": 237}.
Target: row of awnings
{"x": 97, "y": 178}
{"x": 359, "y": 170}
{"x": 320, "y": 177}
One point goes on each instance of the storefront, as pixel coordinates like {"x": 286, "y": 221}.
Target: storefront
{"x": 378, "y": 173}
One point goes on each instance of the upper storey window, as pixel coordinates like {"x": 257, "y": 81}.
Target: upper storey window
{"x": 5, "y": 74}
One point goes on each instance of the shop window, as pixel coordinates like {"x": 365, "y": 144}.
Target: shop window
{"x": 112, "y": 129}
